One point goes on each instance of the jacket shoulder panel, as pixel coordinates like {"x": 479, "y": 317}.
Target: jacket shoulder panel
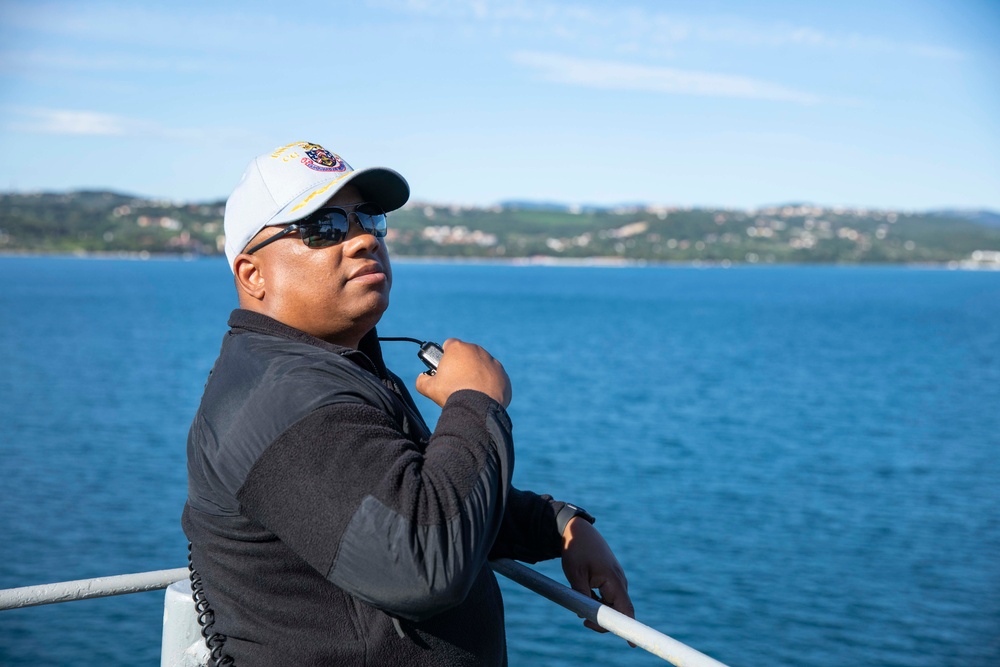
{"x": 260, "y": 386}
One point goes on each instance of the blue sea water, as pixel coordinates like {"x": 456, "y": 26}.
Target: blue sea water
{"x": 796, "y": 466}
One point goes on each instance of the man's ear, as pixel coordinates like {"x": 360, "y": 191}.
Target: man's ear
{"x": 249, "y": 278}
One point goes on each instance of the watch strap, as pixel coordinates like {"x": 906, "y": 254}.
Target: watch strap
{"x": 569, "y": 511}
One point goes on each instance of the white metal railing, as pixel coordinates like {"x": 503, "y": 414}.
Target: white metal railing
{"x": 180, "y": 627}
{"x": 83, "y": 589}
{"x": 610, "y": 619}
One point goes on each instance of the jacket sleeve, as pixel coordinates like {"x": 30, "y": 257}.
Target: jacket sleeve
{"x": 529, "y": 529}
{"x": 404, "y": 530}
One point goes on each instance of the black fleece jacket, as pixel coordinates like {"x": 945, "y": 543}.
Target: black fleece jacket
{"x": 331, "y": 527}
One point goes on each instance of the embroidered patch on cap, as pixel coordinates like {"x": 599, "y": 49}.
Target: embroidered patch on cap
{"x": 320, "y": 159}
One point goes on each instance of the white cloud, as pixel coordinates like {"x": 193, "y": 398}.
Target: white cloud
{"x": 624, "y": 76}
{"x": 83, "y": 60}
{"x": 62, "y": 121}
{"x": 621, "y": 27}
{"x": 132, "y": 24}
{"x": 98, "y": 124}
{"x": 745, "y": 33}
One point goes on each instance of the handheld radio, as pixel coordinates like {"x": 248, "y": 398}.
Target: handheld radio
{"x": 429, "y": 352}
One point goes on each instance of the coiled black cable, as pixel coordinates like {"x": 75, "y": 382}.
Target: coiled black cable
{"x": 206, "y": 619}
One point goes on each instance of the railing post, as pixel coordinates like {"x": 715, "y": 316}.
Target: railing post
{"x": 183, "y": 645}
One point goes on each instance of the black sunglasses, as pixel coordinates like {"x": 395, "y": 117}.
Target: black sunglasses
{"x": 329, "y": 226}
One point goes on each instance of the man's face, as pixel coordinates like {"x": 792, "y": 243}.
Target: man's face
{"x": 336, "y": 293}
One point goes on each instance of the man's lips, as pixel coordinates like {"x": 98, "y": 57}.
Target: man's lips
{"x": 368, "y": 273}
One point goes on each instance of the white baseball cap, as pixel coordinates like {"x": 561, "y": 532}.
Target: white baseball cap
{"x": 294, "y": 181}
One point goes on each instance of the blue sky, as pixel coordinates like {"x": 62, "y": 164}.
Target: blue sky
{"x": 736, "y": 104}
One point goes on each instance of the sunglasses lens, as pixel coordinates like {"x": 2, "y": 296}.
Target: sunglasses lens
{"x": 372, "y": 219}
{"x": 327, "y": 228}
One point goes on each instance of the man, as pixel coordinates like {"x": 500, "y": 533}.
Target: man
{"x": 328, "y": 524}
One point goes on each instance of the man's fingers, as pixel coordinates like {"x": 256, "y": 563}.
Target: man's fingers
{"x": 590, "y": 624}
{"x": 422, "y": 383}
{"x": 466, "y": 366}
{"x": 616, "y": 596}
{"x": 588, "y": 564}
{"x": 579, "y": 582}
{"x": 612, "y": 593}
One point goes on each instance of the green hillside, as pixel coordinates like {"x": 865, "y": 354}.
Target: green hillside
{"x": 106, "y": 222}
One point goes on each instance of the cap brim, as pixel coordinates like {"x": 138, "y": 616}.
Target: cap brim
{"x": 379, "y": 185}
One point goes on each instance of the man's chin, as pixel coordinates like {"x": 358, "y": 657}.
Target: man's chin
{"x": 375, "y": 306}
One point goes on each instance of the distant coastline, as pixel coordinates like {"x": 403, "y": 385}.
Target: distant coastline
{"x": 108, "y": 224}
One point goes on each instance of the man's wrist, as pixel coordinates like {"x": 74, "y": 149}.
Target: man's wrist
{"x": 569, "y": 511}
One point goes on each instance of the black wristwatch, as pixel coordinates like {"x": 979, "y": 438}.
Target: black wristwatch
{"x": 569, "y": 511}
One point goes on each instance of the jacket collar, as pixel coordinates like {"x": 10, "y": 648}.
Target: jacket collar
{"x": 368, "y": 355}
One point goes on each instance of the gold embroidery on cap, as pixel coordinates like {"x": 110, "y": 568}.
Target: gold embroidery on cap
{"x": 318, "y": 191}
{"x": 277, "y": 153}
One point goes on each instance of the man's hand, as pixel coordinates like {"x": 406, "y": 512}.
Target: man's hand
{"x": 465, "y": 366}
{"x": 588, "y": 563}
